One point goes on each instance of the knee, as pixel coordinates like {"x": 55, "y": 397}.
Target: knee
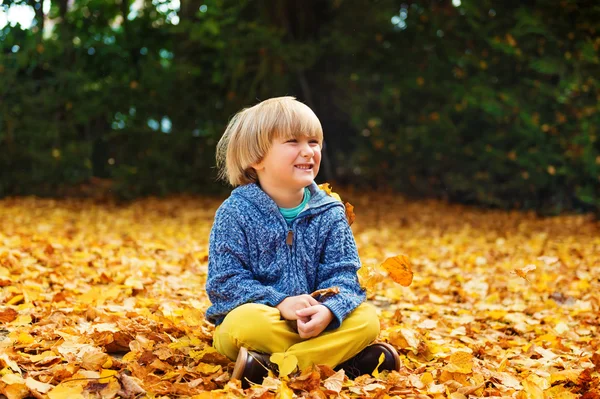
{"x": 370, "y": 321}
{"x": 247, "y": 321}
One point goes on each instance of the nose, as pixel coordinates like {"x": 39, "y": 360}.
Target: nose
{"x": 306, "y": 151}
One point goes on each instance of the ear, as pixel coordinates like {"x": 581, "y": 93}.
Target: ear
{"x": 258, "y": 165}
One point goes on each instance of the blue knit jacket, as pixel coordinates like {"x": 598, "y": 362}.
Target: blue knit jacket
{"x": 251, "y": 261}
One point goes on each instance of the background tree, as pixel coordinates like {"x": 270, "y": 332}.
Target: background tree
{"x": 474, "y": 101}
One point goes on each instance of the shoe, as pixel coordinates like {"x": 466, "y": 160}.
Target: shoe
{"x": 366, "y": 361}
{"x": 252, "y": 367}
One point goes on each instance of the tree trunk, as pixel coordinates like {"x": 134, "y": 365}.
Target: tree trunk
{"x": 188, "y": 10}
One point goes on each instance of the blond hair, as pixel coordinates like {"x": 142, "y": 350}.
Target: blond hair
{"x": 251, "y": 132}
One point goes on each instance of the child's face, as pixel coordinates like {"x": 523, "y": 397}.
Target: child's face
{"x": 290, "y": 163}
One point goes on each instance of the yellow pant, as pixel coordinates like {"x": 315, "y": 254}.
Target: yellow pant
{"x": 259, "y": 328}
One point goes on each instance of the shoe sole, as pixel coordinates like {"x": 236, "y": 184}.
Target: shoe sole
{"x": 240, "y": 364}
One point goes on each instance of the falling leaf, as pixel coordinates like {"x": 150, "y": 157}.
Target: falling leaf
{"x": 523, "y": 271}
{"x": 286, "y": 363}
{"x": 349, "y": 209}
{"x": 349, "y": 213}
{"x": 399, "y": 269}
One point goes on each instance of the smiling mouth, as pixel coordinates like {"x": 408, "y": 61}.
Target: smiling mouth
{"x": 304, "y": 167}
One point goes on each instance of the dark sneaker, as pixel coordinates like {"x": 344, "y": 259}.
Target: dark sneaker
{"x": 252, "y": 367}
{"x": 367, "y": 359}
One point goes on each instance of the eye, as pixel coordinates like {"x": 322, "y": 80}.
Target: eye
{"x": 292, "y": 141}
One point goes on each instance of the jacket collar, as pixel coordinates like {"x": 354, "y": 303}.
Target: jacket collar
{"x": 319, "y": 200}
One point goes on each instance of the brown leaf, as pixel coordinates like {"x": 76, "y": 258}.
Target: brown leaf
{"x": 349, "y": 213}
{"x": 325, "y": 293}
{"x": 131, "y": 386}
{"x": 7, "y": 315}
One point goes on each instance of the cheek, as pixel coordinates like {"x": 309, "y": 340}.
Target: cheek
{"x": 317, "y": 159}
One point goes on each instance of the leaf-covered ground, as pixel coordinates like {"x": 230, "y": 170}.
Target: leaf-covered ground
{"x": 102, "y": 301}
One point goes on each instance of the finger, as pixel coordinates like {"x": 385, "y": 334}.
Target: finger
{"x": 311, "y": 325}
{"x": 307, "y": 312}
{"x": 305, "y": 333}
{"x": 312, "y": 301}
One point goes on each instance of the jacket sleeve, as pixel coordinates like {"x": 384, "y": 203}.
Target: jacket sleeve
{"x": 337, "y": 268}
{"x": 230, "y": 283}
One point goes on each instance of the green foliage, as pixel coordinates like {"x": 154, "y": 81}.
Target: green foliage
{"x": 488, "y": 103}
{"x": 491, "y": 103}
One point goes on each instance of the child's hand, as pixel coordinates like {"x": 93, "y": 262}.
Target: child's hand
{"x": 291, "y": 304}
{"x": 313, "y": 320}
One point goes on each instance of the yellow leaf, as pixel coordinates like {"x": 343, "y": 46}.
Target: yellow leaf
{"x": 460, "y": 362}
{"x": 427, "y": 378}
{"x": 559, "y": 392}
{"x": 15, "y": 300}
{"x": 375, "y": 372}
{"x": 94, "y": 360}
{"x": 193, "y": 317}
{"x": 206, "y": 368}
{"x": 11, "y": 378}
{"x": 16, "y": 391}
{"x": 284, "y": 392}
{"x": 286, "y": 363}
{"x": 523, "y": 271}
{"x": 565, "y": 376}
{"x": 399, "y": 269}
{"x": 532, "y": 389}
{"x": 129, "y": 357}
{"x": 107, "y": 375}
{"x": 9, "y": 363}
{"x": 63, "y": 391}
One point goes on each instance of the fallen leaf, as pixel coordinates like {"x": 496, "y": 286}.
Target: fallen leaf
{"x": 284, "y": 392}
{"x": 8, "y": 315}
{"x": 325, "y": 293}
{"x": 38, "y": 386}
{"x": 335, "y": 382}
{"x": 131, "y": 386}
{"x": 375, "y": 372}
{"x": 460, "y": 362}
{"x": 63, "y": 391}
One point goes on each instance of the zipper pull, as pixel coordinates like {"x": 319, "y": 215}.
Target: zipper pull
{"x": 290, "y": 238}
